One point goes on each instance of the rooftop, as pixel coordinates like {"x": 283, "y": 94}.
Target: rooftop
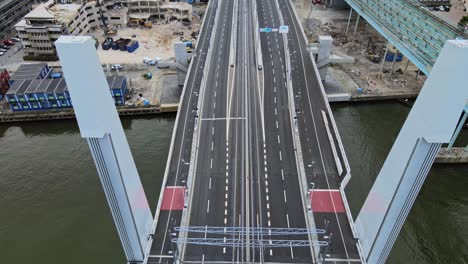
{"x": 182, "y": 6}
{"x": 63, "y": 13}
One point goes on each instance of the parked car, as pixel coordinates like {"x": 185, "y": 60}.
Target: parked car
{"x": 116, "y": 67}
{"x": 8, "y": 42}
{"x": 2, "y": 53}
{"x": 5, "y": 47}
{"x": 15, "y": 39}
{"x": 3, "y": 50}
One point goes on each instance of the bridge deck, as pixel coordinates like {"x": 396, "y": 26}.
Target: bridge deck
{"x": 250, "y": 163}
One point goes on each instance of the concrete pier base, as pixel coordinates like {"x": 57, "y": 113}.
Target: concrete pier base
{"x": 456, "y": 155}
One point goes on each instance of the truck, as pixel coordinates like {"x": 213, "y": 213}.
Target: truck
{"x": 107, "y": 44}
{"x": 123, "y": 44}
{"x": 148, "y": 24}
{"x": 116, "y": 44}
{"x": 132, "y": 46}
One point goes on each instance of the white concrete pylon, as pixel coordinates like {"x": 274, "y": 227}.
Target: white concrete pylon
{"x": 99, "y": 123}
{"x": 431, "y": 122}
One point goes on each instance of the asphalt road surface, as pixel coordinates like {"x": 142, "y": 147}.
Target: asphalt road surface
{"x": 242, "y": 168}
{"x": 182, "y": 142}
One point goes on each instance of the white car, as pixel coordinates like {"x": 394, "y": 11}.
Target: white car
{"x": 2, "y": 53}
{"x": 3, "y": 50}
{"x": 116, "y": 67}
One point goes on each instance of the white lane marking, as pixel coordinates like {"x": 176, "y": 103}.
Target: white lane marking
{"x": 276, "y": 112}
{"x": 284, "y": 194}
{"x": 287, "y": 220}
{"x": 208, "y": 207}
{"x": 209, "y": 185}
{"x": 282, "y": 174}
{"x": 212, "y": 146}
{"x": 280, "y": 156}
{"x": 279, "y": 141}
{"x": 277, "y": 124}
{"x": 342, "y": 260}
{"x": 211, "y": 163}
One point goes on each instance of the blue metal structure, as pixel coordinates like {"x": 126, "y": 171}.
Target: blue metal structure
{"x": 258, "y": 243}
{"x": 230, "y": 230}
{"x": 47, "y": 93}
{"x": 410, "y": 27}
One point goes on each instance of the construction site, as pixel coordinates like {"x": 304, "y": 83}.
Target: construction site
{"x": 378, "y": 70}
{"x": 141, "y": 50}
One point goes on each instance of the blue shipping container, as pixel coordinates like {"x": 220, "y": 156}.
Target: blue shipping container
{"x": 132, "y": 46}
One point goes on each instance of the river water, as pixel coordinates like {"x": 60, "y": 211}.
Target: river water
{"x": 53, "y": 209}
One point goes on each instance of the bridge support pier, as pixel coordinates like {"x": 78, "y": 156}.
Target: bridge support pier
{"x": 99, "y": 123}
{"x": 431, "y": 122}
{"x": 357, "y": 24}
{"x": 349, "y": 20}
{"x": 459, "y": 128}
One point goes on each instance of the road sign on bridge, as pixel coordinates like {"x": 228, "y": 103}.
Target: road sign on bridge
{"x": 265, "y": 30}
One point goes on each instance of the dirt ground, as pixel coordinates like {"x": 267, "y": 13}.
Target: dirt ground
{"x": 457, "y": 11}
{"x": 366, "y": 74}
{"x": 154, "y": 42}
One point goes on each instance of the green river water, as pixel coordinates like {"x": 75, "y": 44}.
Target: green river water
{"x": 53, "y": 209}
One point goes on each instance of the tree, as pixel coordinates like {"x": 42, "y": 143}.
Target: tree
{"x": 463, "y": 22}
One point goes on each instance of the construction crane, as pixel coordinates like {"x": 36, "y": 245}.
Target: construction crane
{"x": 107, "y": 30}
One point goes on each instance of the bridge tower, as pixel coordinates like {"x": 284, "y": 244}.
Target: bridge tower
{"x": 99, "y": 123}
{"x": 431, "y": 122}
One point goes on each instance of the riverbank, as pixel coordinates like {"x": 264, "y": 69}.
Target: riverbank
{"x": 13, "y": 117}
{"x": 456, "y": 155}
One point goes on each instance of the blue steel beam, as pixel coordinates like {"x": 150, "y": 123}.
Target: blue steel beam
{"x": 251, "y": 230}
{"x": 411, "y": 28}
{"x": 266, "y": 243}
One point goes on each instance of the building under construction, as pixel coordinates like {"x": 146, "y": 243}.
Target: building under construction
{"x": 11, "y": 11}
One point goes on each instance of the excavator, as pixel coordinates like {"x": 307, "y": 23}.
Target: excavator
{"x": 372, "y": 53}
{"x": 135, "y": 22}
{"x": 108, "y": 31}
